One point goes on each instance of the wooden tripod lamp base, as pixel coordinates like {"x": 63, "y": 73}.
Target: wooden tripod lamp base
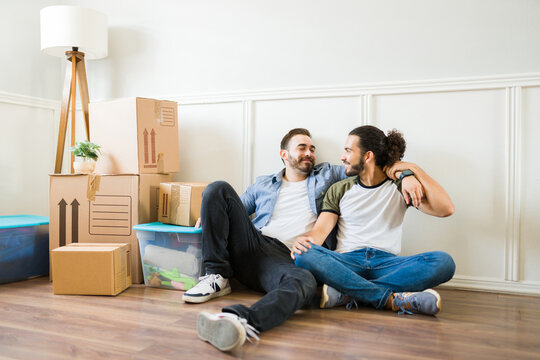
{"x": 77, "y": 70}
{"x": 66, "y": 29}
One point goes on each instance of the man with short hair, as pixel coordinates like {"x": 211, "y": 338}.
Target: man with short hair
{"x": 369, "y": 209}
{"x": 256, "y": 252}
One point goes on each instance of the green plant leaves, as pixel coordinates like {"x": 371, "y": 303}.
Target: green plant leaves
{"x": 86, "y": 150}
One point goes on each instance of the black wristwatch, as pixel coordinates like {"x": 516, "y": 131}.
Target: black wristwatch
{"x": 405, "y": 173}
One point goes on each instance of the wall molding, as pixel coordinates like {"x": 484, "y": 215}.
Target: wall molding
{"x": 17, "y": 99}
{"x": 248, "y": 117}
{"x": 493, "y": 285}
{"x": 513, "y": 183}
{"x": 384, "y": 88}
{"x": 367, "y": 105}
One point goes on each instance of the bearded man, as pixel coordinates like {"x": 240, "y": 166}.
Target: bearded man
{"x": 256, "y": 252}
{"x": 369, "y": 209}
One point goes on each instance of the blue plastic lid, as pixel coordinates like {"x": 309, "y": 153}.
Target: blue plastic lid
{"x": 160, "y": 227}
{"x": 16, "y": 221}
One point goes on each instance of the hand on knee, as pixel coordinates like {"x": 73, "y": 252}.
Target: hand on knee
{"x": 304, "y": 260}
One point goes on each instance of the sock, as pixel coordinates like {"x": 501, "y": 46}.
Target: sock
{"x": 390, "y": 302}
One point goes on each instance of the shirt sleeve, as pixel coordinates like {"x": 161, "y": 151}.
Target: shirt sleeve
{"x": 331, "y": 201}
{"x": 248, "y": 199}
{"x": 338, "y": 172}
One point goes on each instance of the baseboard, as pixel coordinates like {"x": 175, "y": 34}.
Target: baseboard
{"x": 493, "y": 285}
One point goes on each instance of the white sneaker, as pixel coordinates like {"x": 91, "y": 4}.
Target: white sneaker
{"x": 225, "y": 331}
{"x": 209, "y": 287}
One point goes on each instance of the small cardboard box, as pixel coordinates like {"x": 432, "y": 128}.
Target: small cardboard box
{"x": 91, "y": 269}
{"x": 136, "y": 135}
{"x": 180, "y": 202}
{"x": 102, "y": 209}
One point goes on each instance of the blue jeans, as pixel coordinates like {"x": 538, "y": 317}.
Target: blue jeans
{"x": 370, "y": 276}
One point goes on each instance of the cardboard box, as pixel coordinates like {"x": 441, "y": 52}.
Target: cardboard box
{"x": 91, "y": 269}
{"x": 24, "y": 247}
{"x": 180, "y": 202}
{"x": 136, "y": 135}
{"x": 102, "y": 209}
{"x": 171, "y": 255}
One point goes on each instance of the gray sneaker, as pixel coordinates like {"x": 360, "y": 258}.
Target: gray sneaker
{"x": 331, "y": 298}
{"x": 209, "y": 287}
{"x": 225, "y": 331}
{"x": 425, "y": 302}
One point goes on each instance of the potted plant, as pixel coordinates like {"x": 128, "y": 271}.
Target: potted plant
{"x": 87, "y": 154}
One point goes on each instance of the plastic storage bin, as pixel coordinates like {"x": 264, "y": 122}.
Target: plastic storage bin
{"x": 24, "y": 247}
{"x": 171, "y": 255}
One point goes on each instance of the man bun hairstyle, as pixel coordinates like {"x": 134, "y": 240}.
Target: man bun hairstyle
{"x": 387, "y": 148}
{"x": 395, "y": 146}
{"x": 296, "y": 131}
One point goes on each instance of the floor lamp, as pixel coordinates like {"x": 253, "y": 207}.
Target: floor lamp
{"x": 74, "y": 33}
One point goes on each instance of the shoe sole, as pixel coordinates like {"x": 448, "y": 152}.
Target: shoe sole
{"x": 201, "y": 299}
{"x": 324, "y": 297}
{"x": 224, "y": 333}
{"x": 439, "y": 301}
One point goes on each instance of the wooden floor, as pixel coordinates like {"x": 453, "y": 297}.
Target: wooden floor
{"x": 147, "y": 323}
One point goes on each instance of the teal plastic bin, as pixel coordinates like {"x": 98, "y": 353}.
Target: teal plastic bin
{"x": 171, "y": 255}
{"x": 24, "y": 247}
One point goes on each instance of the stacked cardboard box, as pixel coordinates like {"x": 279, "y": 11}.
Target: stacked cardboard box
{"x": 180, "y": 202}
{"x": 139, "y": 140}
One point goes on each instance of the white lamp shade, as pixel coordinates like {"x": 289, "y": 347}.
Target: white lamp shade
{"x": 65, "y": 27}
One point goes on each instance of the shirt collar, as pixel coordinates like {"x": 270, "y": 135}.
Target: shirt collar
{"x": 370, "y": 187}
{"x": 278, "y": 177}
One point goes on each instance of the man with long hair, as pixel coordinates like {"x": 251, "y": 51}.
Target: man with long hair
{"x": 369, "y": 209}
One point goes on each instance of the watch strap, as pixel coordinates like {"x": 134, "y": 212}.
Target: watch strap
{"x": 405, "y": 173}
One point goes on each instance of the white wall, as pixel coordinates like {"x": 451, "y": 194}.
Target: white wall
{"x": 172, "y": 47}
{"x": 25, "y": 70}
{"x": 244, "y": 72}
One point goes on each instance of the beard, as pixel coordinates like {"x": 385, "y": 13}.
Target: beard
{"x": 355, "y": 169}
{"x": 299, "y": 164}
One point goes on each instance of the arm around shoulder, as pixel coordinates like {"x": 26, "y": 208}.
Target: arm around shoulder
{"x": 436, "y": 200}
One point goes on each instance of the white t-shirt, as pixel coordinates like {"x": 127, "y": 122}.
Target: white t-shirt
{"x": 369, "y": 216}
{"x": 292, "y": 214}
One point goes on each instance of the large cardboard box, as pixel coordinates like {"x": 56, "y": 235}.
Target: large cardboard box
{"x": 137, "y": 136}
{"x": 180, "y": 202}
{"x": 102, "y": 209}
{"x": 91, "y": 269}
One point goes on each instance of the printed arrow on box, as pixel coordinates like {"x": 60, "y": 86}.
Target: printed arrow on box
{"x": 165, "y": 205}
{"x": 153, "y": 142}
{"x": 62, "y": 238}
{"x": 145, "y": 135}
{"x": 74, "y": 221}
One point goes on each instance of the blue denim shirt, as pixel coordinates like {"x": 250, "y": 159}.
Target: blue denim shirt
{"x": 261, "y": 197}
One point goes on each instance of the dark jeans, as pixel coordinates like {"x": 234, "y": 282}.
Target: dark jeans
{"x": 232, "y": 246}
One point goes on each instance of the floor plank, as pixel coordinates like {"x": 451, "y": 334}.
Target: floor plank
{"x": 148, "y": 323}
